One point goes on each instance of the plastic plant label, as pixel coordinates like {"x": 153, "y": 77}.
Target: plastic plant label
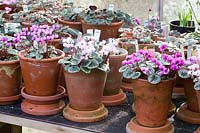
{"x": 97, "y": 34}
{"x": 12, "y": 27}
{"x": 111, "y": 7}
{"x": 189, "y": 51}
{"x": 90, "y": 31}
{"x": 182, "y": 51}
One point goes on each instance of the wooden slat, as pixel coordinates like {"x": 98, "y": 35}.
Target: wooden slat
{"x": 39, "y": 125}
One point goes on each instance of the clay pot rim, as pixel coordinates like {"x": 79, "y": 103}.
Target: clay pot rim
{"x": 9, "y": 62}
{"x": 145, "y": 80}
{"x": 67, "y": 22}
{"x": 60, "y": 94}
{"x": 113, "y": 24}
{"x": 124, "y": 53}
{"x": 21, "y": 57}
{"x": 171, "y": 23}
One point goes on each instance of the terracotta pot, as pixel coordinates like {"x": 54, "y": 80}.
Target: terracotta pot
{"x": 107, "y": 31}
{"x": 192, "y": 100}
{"x": 57, "y": 42}
{"x": 114, "y": 77}
{"x": 87, "y": 95}
{"x": 40, "y": 76}
{"x": 74, "y": 25}
{"x": 152, "y": 102}
{"x": 10, "y": 78}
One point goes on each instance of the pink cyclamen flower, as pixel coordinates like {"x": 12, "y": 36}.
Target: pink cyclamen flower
{"x": 8, "y": 9}
{"x": 163, "y": 47}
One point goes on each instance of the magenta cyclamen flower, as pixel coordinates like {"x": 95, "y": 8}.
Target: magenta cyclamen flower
{"x": 163, "y": 47}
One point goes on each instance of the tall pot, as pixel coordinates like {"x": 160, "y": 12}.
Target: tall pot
{"x": 85, "y": 90}
{"x": 74, "y": 25}
{"x": 114, "y": 78}
{"x": 152, "y": 102}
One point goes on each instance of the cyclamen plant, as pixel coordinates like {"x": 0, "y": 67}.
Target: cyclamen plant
{"x": 84, "y": 56}
{"x": 7, "y": 49}
{"x": 191, "y": 70}
{"x": 109, "y": 47}
{"x": 35, "y": 41}
{"x": 152, "y": 66}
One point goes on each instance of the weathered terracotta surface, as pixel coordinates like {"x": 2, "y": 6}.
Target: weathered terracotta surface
{"x": 85, "y": 90}
{"x": 40, "y": 76}
{"x": 107, "y": 31}
{"x": 134, "y": 127}
{"x": 10, "y": 78}
{"x": 152, "y": 102}
{"x": 43, "y": 105}
{"x": 192, "y": 100}
{"x": 74, "y": 25}
{"x": 114, "y": 77}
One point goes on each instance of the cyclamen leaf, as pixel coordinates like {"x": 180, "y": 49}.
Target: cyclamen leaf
{"x": 86, "y": 63}
{"x": 123, "y": 69}
{"x": 103, "y": 67}
{"x": 76, "y": 56}
{"x": 197, "y": 86}
{"x": 183, "y": 73}
{"x": 85, "y": 70}
{"x": 73, "y": 69}
{"x": 93, "y": 64}
{"x": 154, "y": 79}
{"x": 13, "y": 51}
{"x": 128, "y": 73}
{"x": 75, "y": 61}
{"x": 136, "y": 75}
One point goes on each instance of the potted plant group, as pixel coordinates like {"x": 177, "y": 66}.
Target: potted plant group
{"x": 37, "y": 18}
{"x": 71, "y": 16}
{"x": 88, "y": 67}
{"x": 190, "y": 73}
{"x": 107, "y": 21}
{"x": 10, "y": 71}
{"x": 153, "y": 77}
{"x": 40, "y": 70}
{"x": 113, "y": 95}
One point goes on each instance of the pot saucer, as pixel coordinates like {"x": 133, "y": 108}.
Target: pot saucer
{"x": 114, "y": 100}
{"x": 48, "y": 109}
{"x": 134, "y": 127}
{"x": 85, "y": 116}
{"x": 172, "y": 109}
{"x": 44, "y": 99}
{"x": 10, "y": 99}
{"x": 186, "y": 115}
{"x": 43, "y": 105}
{"x": 126, "y": 86}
